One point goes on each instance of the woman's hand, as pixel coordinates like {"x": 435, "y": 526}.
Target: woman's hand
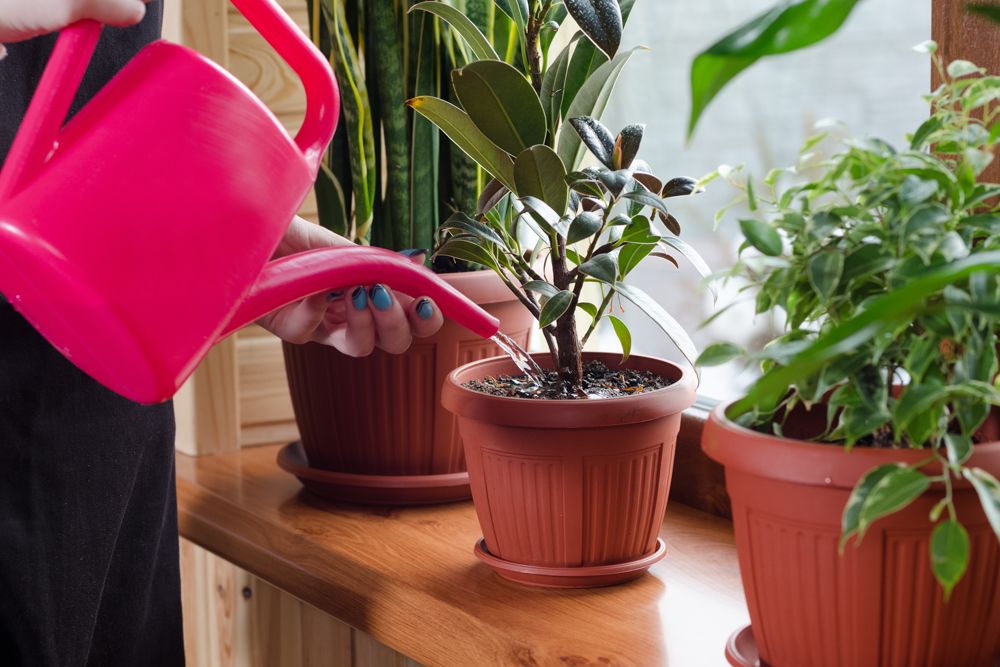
{"x": 356, "y": 320}
{"x": 24, "y": 19}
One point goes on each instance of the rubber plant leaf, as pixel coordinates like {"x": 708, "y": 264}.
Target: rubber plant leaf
{"x": 502, "y": 103}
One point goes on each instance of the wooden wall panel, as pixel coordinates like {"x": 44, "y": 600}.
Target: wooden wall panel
{"x": 239, "y": 395}
{"x": 234, "y": 619}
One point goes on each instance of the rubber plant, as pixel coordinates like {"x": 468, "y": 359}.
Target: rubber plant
{"x": 886, "y": 264}
{"x": 387, "y": 178}
{"x": 547, "y": 225}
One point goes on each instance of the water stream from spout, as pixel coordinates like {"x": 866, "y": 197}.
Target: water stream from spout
{"x": 521, "y": 359}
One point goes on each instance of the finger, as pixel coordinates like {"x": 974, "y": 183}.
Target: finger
{"x": 113, "y": 12}
{"x": 425, "y": 317}
{"x": 296, "y": 323}
{"x": 392, "y": 329}
{"x": 357, "y": 337}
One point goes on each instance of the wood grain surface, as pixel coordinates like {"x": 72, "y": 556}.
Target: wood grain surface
{"x": 407, "y": 577}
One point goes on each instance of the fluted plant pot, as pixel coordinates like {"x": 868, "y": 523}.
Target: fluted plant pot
{"x": 372, "y": 428}
{"x": 570, "y": 493}
{"x": 878, "y": 604}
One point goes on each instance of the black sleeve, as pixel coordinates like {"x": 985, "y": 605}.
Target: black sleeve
{"x": 22, "y": 68}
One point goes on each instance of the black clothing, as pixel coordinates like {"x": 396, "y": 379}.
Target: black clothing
{"x": 89, "y": 571}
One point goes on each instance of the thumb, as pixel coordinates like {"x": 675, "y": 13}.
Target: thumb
{"x": 118, "y": 13}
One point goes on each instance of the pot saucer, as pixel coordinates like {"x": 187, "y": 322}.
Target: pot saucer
{"x": 741, "y": 649}
{"x": 374, "y": 489}
{"x": 570, "y": 577}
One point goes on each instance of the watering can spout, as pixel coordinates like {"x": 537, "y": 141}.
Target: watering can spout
{"x": 292, "y": 278}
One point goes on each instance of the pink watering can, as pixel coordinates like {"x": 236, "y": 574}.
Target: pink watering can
{"x": 139, "y": 233}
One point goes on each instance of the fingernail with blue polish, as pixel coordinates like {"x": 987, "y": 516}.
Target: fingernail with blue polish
{"x": 413, "y": 252}
{"x": 359, "y": 298}
{"x": 424, "y": 309}
{"x": 380, "y": 297}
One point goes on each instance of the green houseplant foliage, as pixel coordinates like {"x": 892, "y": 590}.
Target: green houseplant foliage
{"x": 885, "y": 263}
{"x": 529, "y": 125}
{"x": 397, "y": 204}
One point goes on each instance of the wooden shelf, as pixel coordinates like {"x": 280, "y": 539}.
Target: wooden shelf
{"x": 407, "y": 577}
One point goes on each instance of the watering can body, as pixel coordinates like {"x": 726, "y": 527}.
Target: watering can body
{"x": 136, "y": 235}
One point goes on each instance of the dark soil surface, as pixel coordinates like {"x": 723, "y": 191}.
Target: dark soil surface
{"x": 599, "y": 381}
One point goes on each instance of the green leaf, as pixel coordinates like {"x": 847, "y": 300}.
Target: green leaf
{"x": 917, "y": 400}
{"x": 583, "y": 226}
{"x": 544, "y": 215}
{"x": 602, "y": 267}
{"x": 463, "y": 131}
{"x": 554, "y": 308}
{"x": 675, "y": 332}
{"x": 692, "y": 255}
{"x": 464, "y": 223}
{"x": 825, "y": 270}
{"x": 591, "y": 100}
{"x": 958, "y": 446}
{"x": 554, "y": 87}
{"x": 547, "y": 290}
{"x": 949, "y": 554}
{"x": 517, "y": 11}
{"x": 992, "y": 12}
{"x": 786, "y": 27}
{"x": 960, "y": 68}
{"x": 538, "y": 172}
{"x": 988, "y": 489}
{"x": 631, "y": 255}
{"x": 597, "y": 138}
{"x": 850, "y": 520}
{"x": 892, "y": 493}
{"x": 624, "y": 336}
{"x": 467, "y": 250}
{"x": 331, "y": 206}
{"x": 762, "y": 236}
{"x": 600, "y": 21}
{"x": 588, "y": 308}
{"x": 882, "y": 313}
{"x": 480, "y": 46}
{"x": 586, "y": 59}
{"x": 717, "y": 354}
{"x": 501, "y": 103}
{"x": 647, "y": 199}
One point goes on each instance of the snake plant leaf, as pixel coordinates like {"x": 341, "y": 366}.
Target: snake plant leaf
{"x": 600, "y": 21}
{"x": 466, "y": 135}
{"x": 675, "y": 332}
{"x": 502, "y": 103}
{"x": 424, "y": 73}
{"x": 591, "y": 101}
{"x": 477, "y": 42}
{"x": 585, "y": 60}
{"x": 788, "y": 26}
{"x": 357, "y": 112}
{"x": 330, "y": 202}
{"x": 881, "y": 314}
{"x": 390, "y": 81}
{"x": 540, "y": 173}
{"x": 597, "y": 138}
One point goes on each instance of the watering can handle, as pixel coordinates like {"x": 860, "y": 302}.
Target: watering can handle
{"x": 296, "y": 276}
{"x": 66, "y": 66}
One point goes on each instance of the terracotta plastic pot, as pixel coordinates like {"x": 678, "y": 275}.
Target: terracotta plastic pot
{"x": 570, "y": 493}
{"x": 379, "y": 416}
{"x": 876, "y": 606}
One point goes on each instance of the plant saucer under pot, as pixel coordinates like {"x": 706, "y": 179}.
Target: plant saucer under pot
{"x": 570, "y": 493}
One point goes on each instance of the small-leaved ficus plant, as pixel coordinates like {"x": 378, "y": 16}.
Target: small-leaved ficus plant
{"x": 884, "y": 262}
{"x": 547, "y": 226}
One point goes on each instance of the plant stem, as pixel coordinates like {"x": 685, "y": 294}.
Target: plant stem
{"x": 569, "y": 362}
{"x": 597, "y": 318}
{"x": 534, "y": 53}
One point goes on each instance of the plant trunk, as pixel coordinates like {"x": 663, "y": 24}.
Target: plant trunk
{"x": 570, "y": 363}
